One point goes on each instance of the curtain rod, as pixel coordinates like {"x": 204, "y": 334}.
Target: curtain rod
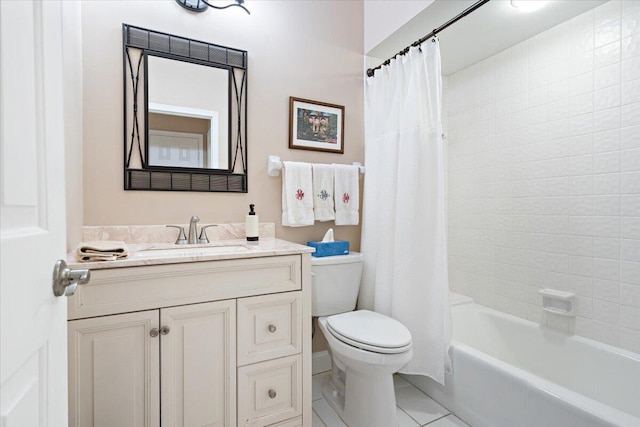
{"x": 417, "y": 43}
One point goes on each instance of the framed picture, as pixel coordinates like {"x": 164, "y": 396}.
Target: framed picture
{"x": 316, "y": 126}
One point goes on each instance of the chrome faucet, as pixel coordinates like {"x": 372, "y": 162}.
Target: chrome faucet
{"x": 193, "y": 230}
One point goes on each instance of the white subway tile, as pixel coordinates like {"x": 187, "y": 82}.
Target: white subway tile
{"x": 607, "y": 55}
{"x": 607, "y": 119}
{"x": 630, "y": 115}
{"x": 630, "y": 272}
{"x": 630, "y": 317}
{"x": 583, "y": 307}
{"x": 607, "y": 12}
{"x": 630, "y": 6}
{"x": 630, "y": 205}
{"x": 606, "y": 183}
{"x": 580, "y": 245}
{"x": 631, "y": 46}
{"x": 606, "y": 226}
{"x": 583, "y": 83}
{"x": 580, "y": 205}
{"x": 630, "y": 24}
{"x": 580, "y": 63}
{"x": 611, "y": 75}
{"x": 606, "y": 290}
{"x": 578, "y": 145}
{"x": 580, "y": 225}
{"x": 558, "y": 263}
{"x": 630, "y": 339}
{"x": 630, "y": 182}
{"x": 606, "y": 205}
{"x": 606, "y": 141}
{"x": 606, "y": 98}
{"x": 580, "y": 266}
{"x": 606, "y": 333}
{"x": 630, "y": 137}
{"x": 607, "y": 269}
{"x": 607, "y": 33}
{"x": 580, "y": 285}
{"x": 630, "y": 160}
{"x": 630, "y": 295}
{"x": 581, "y": 185}
{"x": 604, "y": 311}
{"x": 630, "y": 227}
{"x": 606, "y": 247}
{"x": 578, "y": 105}
{"x": 630, "y": 73}
{"x": 608, "y": 162}
{"x": 630, "y": 250}
{"x": 583, "y": 124}
{"x": 581, "y": 165}
{"x": 583, "y": 327}
{"x": 630, "y": 92}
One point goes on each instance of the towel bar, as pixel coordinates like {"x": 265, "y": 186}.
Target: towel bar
{"x": 274, "y": 166}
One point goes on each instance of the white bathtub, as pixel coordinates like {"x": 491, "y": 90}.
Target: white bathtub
{"x": 511, "y": 372}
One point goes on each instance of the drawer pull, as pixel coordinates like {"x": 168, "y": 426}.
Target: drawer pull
{"x": 272, "y": 393}
{"x": 165, "y": 330}
{"x": 272, "y": 328}
{"x": 154, "y": 332}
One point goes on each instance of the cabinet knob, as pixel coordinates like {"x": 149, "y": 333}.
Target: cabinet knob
{"x": 154, "y": 332}
{"x": 165, "y": 330}
{"x": 272, "y": 328}
{"x": 272, "y": 393}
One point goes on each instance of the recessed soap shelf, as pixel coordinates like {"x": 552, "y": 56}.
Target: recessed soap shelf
{"x": 558, "y": 302}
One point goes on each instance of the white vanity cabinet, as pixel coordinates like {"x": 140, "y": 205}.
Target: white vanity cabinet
{"x": 212, "y": 343}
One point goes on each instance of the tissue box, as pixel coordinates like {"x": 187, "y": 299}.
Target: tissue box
{"x": 339, "y": 247}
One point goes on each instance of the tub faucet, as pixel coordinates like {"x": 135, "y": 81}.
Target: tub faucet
{"x": 193, "y": 230}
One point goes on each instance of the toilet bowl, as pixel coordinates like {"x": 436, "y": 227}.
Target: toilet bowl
{"x": 366, "y": 348}
{"x": 361, "y": 387}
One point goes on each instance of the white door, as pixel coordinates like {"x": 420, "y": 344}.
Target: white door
{"x": 33, "y": 339}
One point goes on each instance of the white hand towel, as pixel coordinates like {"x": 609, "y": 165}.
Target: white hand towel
{"x": 102, "y": 250}
{"x": 323, "y": 208}
{"x": 347, "y": 194}
{"x": 297, "y": 194}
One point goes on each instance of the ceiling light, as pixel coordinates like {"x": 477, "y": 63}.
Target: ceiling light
{"x": 528, "y": 5}
{"x": 202, "y": 5}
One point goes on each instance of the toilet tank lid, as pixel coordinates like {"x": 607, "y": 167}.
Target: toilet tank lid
{"x": 349, "y": 258}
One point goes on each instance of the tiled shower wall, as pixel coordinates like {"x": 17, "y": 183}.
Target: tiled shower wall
{"x": 544, "y": 175}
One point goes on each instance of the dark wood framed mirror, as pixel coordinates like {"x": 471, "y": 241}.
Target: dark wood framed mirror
{"x": 185, "y": 114}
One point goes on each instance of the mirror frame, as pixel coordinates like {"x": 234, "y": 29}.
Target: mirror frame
{"x": 163, "y": 178}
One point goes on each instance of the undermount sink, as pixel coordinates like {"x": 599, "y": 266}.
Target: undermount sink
{"x": 176, "y": 251}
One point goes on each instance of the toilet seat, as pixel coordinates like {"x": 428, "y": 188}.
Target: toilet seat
{"x": 370, "y": 331}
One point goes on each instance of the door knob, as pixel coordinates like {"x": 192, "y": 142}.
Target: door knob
{"x": 65, "y": 280}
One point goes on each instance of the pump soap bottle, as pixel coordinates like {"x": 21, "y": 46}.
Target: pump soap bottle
{"x": 251, "y": 225}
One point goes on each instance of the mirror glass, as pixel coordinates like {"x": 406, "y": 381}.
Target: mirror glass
{"x": 185, "y": 113}
{"x": 188, "y": 114}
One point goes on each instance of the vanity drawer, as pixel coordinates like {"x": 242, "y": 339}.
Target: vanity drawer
{"x": 270, "y": 392}
{"x": 269, "y": 327}
{"x": 121, "y": 290}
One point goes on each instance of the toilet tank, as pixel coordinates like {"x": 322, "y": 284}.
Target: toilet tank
{"x": 335, "y": 283}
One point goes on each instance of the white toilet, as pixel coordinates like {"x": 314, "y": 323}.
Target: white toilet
{"x": 366, "y": 348}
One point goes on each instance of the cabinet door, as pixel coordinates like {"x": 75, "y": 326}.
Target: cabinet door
{"x": 114, "y": 371}
{"x": 198, "y": 365}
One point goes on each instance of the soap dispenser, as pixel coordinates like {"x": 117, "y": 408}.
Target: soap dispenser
{"x": 251, "y": 225}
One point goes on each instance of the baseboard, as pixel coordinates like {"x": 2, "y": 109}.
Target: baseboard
{"x": 321, "y": 362}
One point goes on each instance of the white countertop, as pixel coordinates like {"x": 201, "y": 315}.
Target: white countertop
{"x": 225, "y": 249}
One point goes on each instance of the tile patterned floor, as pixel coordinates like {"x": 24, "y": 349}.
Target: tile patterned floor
{"x": 415, "y": 409}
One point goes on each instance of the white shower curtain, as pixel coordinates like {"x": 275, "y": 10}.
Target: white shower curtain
{"x": 404, "y": 226}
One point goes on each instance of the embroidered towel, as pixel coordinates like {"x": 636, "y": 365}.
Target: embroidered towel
{"x": 102, "y": 250}
{"x": 297, "y": 194}
{"x": 323, "y": 209}
{"x": 347, "y": 194}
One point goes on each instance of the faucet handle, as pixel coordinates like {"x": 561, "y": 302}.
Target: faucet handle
{"x": 182, "y": 238}
{"x": 203, "y": 235}
{"x": 195, "y": 218}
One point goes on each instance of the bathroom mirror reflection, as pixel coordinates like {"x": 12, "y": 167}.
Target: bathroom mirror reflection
{"x": 185, "y": 128}
{"x": 185, "y": 109}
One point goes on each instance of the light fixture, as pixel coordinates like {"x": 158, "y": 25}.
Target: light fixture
{"x": 528, "y": 5}
{"x": 202, "y": 5}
